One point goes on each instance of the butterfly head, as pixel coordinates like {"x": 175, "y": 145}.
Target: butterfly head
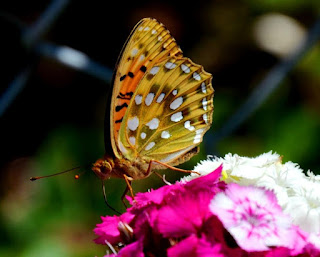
{"x": 103, "y": 168}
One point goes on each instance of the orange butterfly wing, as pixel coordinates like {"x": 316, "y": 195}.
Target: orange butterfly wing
{"x": 148, "y": 43}
{"x": 168, "y": 104}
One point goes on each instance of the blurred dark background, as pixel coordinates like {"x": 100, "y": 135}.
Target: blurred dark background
{"x": 56, "y": 121}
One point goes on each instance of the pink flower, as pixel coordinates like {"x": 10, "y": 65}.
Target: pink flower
{"x": 254, "y": 218}
{"x": 204, "y": 217}
{"x": 150, "y": 224}
{"x": 154, "y": 196}
{"x": 184, "y": 214}
{"x": 109, "y": 231}
{"x": 194, "y": 247}
{"x": 132, "y": 250}
{"x": 163, "y": 194}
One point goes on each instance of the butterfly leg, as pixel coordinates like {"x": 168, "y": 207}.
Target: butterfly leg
{"x": 123, "y": 196}
{"x": 128, "y": 188}
{"x": 171, "y": 167}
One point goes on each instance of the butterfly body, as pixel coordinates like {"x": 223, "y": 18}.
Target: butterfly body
{"x": 109, "y": 166}
{"x": 161, "y": 106}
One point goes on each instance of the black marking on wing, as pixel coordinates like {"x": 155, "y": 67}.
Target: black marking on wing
{"x": 119, "y": 107}
{"x": 143, "y": 68}
{"x": 123, "y": 96}
{"x": 119, "y": 121}
{"x": 123, "y": 77}
{"x": 130, "y": 74}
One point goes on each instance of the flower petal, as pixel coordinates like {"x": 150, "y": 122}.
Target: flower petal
{"x": 184, "y": 214}
{"x": 132, "y": 250}
{"x": 194, "y": 247}
{"x": 253, "y": 217}
{"x": 108, "y": 229}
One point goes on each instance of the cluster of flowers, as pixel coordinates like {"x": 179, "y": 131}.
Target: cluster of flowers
{"x": 297, "y": 194}
{"x": 225, "y": 212}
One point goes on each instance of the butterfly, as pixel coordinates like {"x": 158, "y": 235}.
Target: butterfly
{"x": 161, "y": 106}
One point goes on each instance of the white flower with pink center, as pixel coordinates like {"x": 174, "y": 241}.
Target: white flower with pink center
{"x": 254, "y": 218}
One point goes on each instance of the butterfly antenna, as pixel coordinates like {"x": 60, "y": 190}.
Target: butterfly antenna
{"x": 77, "y": 176}
{"x": 55, "y": 174}
{"x": 105, "y": 199}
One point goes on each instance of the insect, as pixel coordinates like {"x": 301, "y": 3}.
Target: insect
{"x": 161, "y": 106}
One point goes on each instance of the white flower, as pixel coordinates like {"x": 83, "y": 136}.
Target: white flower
{"x": 251, "y": 169}
{"x": 312, "y": 176}
{"x": 297, "y": 194}
{"x": 207, "y": 166}
{"x": 237, "y": 168}
{"x": 304, "y": 206}
{"x": 282, "y": 179}
{"x": 204, "y": 167}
